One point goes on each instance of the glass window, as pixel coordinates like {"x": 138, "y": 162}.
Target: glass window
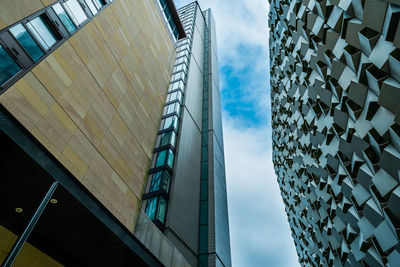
{"x": 8, "y": 67}
{"x": 203, "y": 212}
{"x": 161, "y": 158}
{"x": 180, "y": 67}
{"x": 163, "y": 4}
{"x": 178, "y": 76}
{"x": 170, "y": 122}
{"x": 75, "y": 11}
{"x": 91, "y": 6}
{"x": 171, "y": 156}
{"x": 166, "y": 181}
{"x": 168, "y": 138}
{"x": 151, "y": 208}
{"x": 162, "y": 206}
{"x": 204, "y": 190}
{"x": 171, "y": 97}
{"x": 156, "y": 181}
{"x": 181, "y": 60}
{"x": 165, "y": 137}
{"x": 40, "y": 28}
{"x": 176, "y": 85}
{"x": 27, "y": 42}
{"x": 99, "y": 3}
{"x": 204, "y": 170}
{"x": 171, "y": 108}
{"x": 160, "y": 180}
{"x": 69, "y": 25}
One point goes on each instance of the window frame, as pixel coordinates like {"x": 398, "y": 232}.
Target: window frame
{"x": 51, "y": 23}
{"x": 21, "y": 56}
{"x": 18, "y": 75}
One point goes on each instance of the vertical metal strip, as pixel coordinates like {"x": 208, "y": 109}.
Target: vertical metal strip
{"x": 203, "y": 225}
{"x": 29, "y": 228}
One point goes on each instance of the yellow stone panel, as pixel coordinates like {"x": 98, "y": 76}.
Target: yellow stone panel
{"x": 48, "y": 2}
{"x": 12, "y": 11}
{"x": 31, "y": 96}
{"x": 63, "y": 117}
{"x": 24, "y": 111}
{"x": 87, "y": 41}
{"x": 75, "y": 159}
{"x": 95, "y": 103}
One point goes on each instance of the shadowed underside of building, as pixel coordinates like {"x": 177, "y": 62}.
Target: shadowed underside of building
{"x": 335, "y": 90}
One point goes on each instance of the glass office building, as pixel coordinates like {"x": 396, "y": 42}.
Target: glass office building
{"x": 335, "y": 90}
{"x": 111, "y": 135}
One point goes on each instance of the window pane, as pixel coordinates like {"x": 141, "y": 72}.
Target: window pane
{"x": 161, "y": 210}
{"x": 8, "y": 67}
{"x": 168, "y": 122}
{"x": 27, "y": 42}
{"x": 69, "y": 25}
{"x": 173, "y": 139}
{"x": 156, "y": 181}
{"x": 161, "y": 158}
{"x": 151, "y": 208}
{"x": 75, "y": 11}
{"x": 91, "y": 6}
{"x": 165, "y": 137}
{"x": 171, "y": 108}
{"x": 99, "y": 3}
{"x": 170, "y": 158}
{"x": 166, "y": 181}
{"x": 42, "y": 31}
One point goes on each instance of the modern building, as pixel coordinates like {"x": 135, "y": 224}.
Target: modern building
{"x": 335, "y": 90}
{"x": 111, "y": 135}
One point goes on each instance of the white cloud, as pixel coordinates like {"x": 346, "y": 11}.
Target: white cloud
{"x": 260, "y": 233}
{"x": 239, "y": 23}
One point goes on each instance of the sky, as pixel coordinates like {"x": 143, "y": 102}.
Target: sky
{"x": 259, "y": 230}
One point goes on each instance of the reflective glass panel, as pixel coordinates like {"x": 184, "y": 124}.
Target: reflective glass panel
{"x": 173, "y": 139}
{"x": 166, "y": 181}
{"x": 168, "y": 122}
{"x": 151, "y": 208}
{"x": 69, "y": 25}
{"x": 161, "y": 158}
{"x": 27, "y": 42}
{"x": 42, "y": 31}
{"x": 99, "y": 3}
{"x": 162, "y": 206}
{"x": 171, "y": 122}
{"x": 91, "y": 7}
{"x": 156, "y": 181}
{"x": 165, "y": 137}
{"x": 171, "y": 156}
{"x": 8, "y": 67}
{"x": 75, "y": 11}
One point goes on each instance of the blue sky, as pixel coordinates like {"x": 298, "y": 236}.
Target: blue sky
{"x": 260, "y": 234}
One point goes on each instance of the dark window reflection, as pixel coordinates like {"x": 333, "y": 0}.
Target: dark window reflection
{"x": 27, "y": 42}
{"x": 41, "y": 29}
{"x": 69, "y": 25}
{"x": 8, "y": 67}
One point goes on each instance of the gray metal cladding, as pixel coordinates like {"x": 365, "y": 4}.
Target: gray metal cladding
{"x": 335, "y": 91}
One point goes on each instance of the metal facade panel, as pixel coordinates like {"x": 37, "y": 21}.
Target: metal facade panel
{"x": 335, "y": 128}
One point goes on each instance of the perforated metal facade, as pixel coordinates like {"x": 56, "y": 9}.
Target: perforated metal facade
{"x": 335, "y": 73}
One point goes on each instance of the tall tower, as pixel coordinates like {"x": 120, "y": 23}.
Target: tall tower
{"x": 186, "y": 190}
{"x": 335, "y": 89}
